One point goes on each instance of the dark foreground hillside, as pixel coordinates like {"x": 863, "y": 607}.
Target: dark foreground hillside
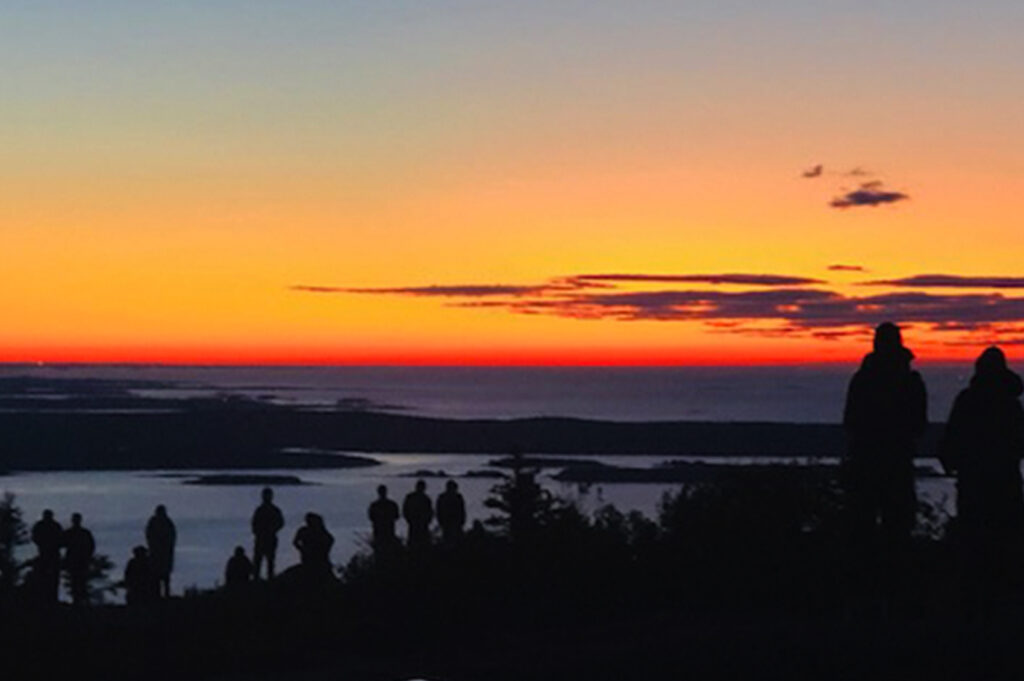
{"x": 222, "y": 641}
{"x": 752, "y": 577}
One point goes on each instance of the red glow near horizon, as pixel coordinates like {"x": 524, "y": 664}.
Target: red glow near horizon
{"x": 555, "y": 357}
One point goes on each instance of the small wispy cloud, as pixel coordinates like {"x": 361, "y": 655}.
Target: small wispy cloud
{"x": 868, "y": 194}
{"x": 846, "y": 268}
{"x": 459, "y": 291}
{"x": 727, "y": 278}
{"x": 819, "y": 171}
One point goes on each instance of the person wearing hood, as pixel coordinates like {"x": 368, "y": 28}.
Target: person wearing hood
{"x": 983, "y": 444}
{"x": 886, "y": 411}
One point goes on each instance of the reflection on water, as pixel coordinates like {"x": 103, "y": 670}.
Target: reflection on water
{"x": 212, "y": 520}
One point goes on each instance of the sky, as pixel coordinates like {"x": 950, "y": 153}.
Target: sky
{"x": 508, "y": 182}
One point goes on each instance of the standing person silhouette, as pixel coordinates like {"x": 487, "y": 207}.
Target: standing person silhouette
{"x": 79, "y": 549}
{"x": 267, "y": 521}
{"x": 383, "y": 513}
{"x": 161, "y": 536}
{"x": 983, "y": 444}
{"x": 47, "y": 535}
{"x": 418, "y": 512}
{"x": 886, "y": 411}
{"x": 451, "y": 512}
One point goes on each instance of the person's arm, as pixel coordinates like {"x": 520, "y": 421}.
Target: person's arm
{"x": 920, "y": 405}
{"x": 1017, "y": 430}
{"x": 951, "y": 444}
{"x": 278, "y": 520}
{"x": 851, "y": 410}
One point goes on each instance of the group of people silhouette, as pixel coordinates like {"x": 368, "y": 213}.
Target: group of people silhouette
{"x": 418, "y": 512}
{"x": 885, "y": 415}
{"x": 78, "y": 546}
{"x": 147, "y": 575}
{"x": 982, "y": 446}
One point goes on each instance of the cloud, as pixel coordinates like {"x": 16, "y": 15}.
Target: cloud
{"x": 741, "y": 279}
{"x": 868, "y": 194}
{"x": 770, "y": 305}
{"x": 814, "y": 171}
{"x": 788, "y": 311}
{"x": 846, "y": 268}
{"x": 468, "y": 290}
{"x": 949, "y": 281}
{"x": 558, "y": 285}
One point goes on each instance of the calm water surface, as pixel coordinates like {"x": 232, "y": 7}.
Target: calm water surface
{"x": 212, "y": 520}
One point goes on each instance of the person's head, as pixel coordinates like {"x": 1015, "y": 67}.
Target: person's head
{"x": 382, "y": 491}
{"x": 992, "y": 361}
{"x": 76, "y": 519}
{"x": 452, "y": 486}
{"x": 888, "y": 338}
{"x": 139, "y": 552}
{"x": 239, "y": 552}
{"x": 267, "y": 494}
{"x": 47, "y": 514}
{"x": 311, "y": 519}
{"x": 161, "y": 510}
{"x": 421, "y": 485}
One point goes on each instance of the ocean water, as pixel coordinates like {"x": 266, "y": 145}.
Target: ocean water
{"x": 212, "y": 520}
{"x": 807, "y": 393}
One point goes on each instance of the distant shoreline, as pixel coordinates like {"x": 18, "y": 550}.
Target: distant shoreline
{"x": 248, "y": 436}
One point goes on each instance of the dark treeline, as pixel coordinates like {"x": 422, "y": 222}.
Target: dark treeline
{"x": 769, "y": 572}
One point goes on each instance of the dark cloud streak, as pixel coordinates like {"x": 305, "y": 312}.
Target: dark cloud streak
{"x": 740, "y": 279}
{"x": 949, "y": 281}
{"x": 868, "y": 194}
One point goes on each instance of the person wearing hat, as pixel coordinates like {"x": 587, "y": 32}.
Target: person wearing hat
{"x": 886, "y": 411}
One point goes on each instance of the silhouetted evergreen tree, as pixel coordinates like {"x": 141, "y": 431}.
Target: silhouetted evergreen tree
{"x": 12, "y": 534}
{"x": 97, "y": 581}
{"x": 522, "y": 505}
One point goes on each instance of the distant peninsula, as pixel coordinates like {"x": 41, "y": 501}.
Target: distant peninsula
{"x": 225, "y": 433}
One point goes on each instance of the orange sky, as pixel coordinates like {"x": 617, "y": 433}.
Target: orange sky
{"x": 161, "y": 191}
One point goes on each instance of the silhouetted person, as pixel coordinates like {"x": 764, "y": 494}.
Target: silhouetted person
{"x": 418, "y": 512}
{"x": 267, "y": 521}
{"x": 451, "y": 512}
{"x": 239, "y": 571}
{"x": 383, "y": 513}
{"x": 140, "y": 583}
{"x": 983, "y": 444}
{"x": 314, "y": 543}
{"x": 161, "y": 536}
{"x": 79, "y": 549}
{"x": 886, "y": 411}
{"x": 48, "y": 536}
